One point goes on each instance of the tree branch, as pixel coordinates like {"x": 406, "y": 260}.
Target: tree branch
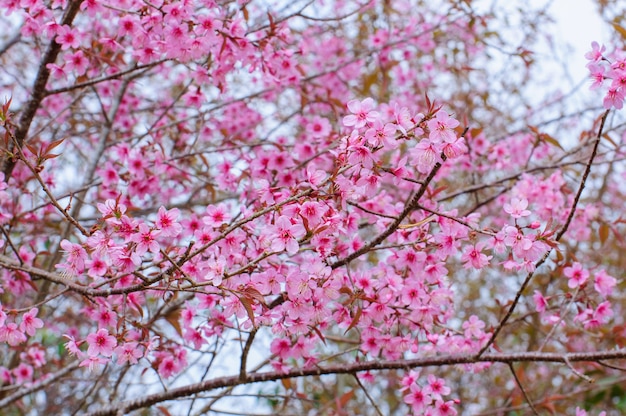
{"x": 38, "y": 385}
{"x": 395, "y": 224}
{"x": 223, "y": 382}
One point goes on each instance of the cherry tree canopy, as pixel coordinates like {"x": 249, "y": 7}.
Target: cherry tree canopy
{"x": 307, "y": 207}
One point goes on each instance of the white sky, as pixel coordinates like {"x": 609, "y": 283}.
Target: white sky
{"x": 579, "y": 24}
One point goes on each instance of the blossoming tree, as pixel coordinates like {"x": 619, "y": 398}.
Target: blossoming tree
{"x": 324, "y": 207}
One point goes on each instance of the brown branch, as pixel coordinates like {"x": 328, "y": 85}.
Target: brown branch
{"x": 13, "y": 41}
{"x": 413, "y": 203}
{"x": 243, "y": 376}
{"x": 369, "y": 211}
{"x": 232, "y": 381}
{"x": 457, "y": 220}
{"x": 9, "y": 263}
{"x": 369, "y": 397}
{"x": 38, "y": 385}
{"x": 38, "y": 92}
{"x": 111, "y": 77}
{"x": 521, "y": 387}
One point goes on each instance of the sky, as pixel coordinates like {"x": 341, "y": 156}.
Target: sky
{"x": 579, "y": 24}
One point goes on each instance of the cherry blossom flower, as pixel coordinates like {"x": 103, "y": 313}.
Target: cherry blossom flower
{"x": 516, "y": 239}
{"x": 67, "y": 37}
{"x": 286, "y": 235}
{"x": 72, "y": 346}
{"x": 101, "y": 342}
{"x": 444, "y": 408}
{"x": 30, "y": 322}
{"x": 597, "y": 75}
{"x": 362, "y": 113}
{"x": 604, "y": 283}
{"x": 76, "y": 61}
{"x": 11, "y": 334}
{"x": 436, "y": 387}
{"x": 614, "y": 98}
{"x": 416, "y": 398}
{"x": 441, "y": 128}
{"x": 216, "y": 216}
{"x": 517, "y": 208}
{"x": 23, "y": 373}
{"x": 281, "y": 347}
{"x": 146, "y": 240}
{"x": 577, "y": 275}
{"x": 603, "y": 312}
{"x": 474, "y": 257}
{"x": 166, "y": 222}
{"x": 128, "y": 352}
{"x": 318, "y": 127}
{"x": 540, "y": 301}
{"x": 425, "y": 155}
{"x": 93, "y": 362}
{"x": 596, "y": 52}
{"x": 380, "y": 133}
{"x": 35, "y": 356}
{"x": 97, "y": 267}
{"x": 473, "y": 327}
{"x": 76, "y": 254}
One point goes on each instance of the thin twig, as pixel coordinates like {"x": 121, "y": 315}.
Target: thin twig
{"x": 46, "y": 190}
{"x": 371, "y": 400}
{"x": 521, "y": 387}
{"x": 244, "y": 354}
{"x": 578, "y": 373}
{"x": 38, "y": 385}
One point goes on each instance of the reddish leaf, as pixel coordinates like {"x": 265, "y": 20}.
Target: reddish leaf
{"x": 173, "y": 318}
{"x": 355, "y": 319}
{"x": 247, "y": 304}
{"x": 603, "y": 232}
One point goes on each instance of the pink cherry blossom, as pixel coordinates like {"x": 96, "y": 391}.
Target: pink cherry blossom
{"x": 596, "y": 52}
{"x": 473, "y": 327}
{"x": 101, "y": 343}
{"x": 146, "y": 240}
{"x": 67, "y": 37}
{"x": 216, "y": 216}
{"x": 540, "y": 302}
{"x": 11, "y": 334}
{"x": 362, "y": 113}
{"x": 577, "y": 275}
{"x": 23, "y": 373}
{"x": 30, "y": 323}
{"x": 416, "y": 398}
{"x": 441, "y": 128}
{"x": 517, "y": 208}
{"x": 76, "y": 254}
{"x": 604, "y": 283}
{"x": 129, "y": 352}
{"x": 93, "y": 363}
{"x": 166, "y": 222}
{"x": 286, "y": 234}
{"x": 474, "y": 257}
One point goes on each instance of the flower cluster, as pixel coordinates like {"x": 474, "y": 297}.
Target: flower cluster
{"x": 608, "y": 70}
